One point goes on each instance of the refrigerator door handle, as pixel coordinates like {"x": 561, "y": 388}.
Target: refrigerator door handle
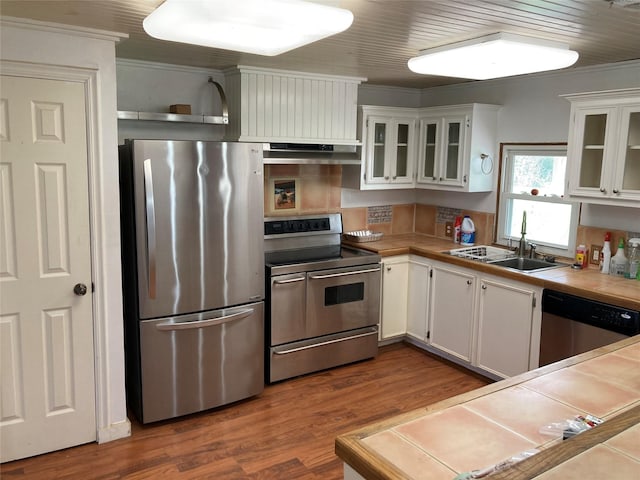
{"x": 151, "y": 228}
{"x": 205, "y": 323}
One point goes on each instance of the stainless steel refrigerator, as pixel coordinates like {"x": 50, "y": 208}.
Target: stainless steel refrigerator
{"x": 193, "y": 274}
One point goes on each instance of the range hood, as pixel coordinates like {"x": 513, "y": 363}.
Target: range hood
{"x": 305, "y": 153}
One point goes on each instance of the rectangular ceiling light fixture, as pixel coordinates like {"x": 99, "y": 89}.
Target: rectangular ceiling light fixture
{"x": 262, "y": 27}
{"x": 493, "y": 56}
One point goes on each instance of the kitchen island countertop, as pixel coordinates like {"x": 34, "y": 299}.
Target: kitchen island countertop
{"x": 483, "y": 427}
{"x": 587, "y": 283}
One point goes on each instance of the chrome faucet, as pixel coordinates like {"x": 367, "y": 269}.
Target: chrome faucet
{"x": 532, "y": 250}
{"x": 522, "y": 245}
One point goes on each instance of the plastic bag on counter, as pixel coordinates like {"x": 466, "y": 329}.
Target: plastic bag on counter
{"x": 570, "y": 427}
{"x": 498, "y": 466}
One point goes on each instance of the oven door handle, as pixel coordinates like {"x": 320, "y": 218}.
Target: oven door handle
{"x": 211, "y": 322}
{"x": 328, "y": 342}
{"x": 290, "y": 280}
{"x": 343, "y": 274}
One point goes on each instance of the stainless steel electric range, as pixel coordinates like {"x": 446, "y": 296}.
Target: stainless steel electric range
{"x": 322, "y": 299}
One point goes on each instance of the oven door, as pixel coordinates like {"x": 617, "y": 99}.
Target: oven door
{"x": 287, "y": 308}
{"x": 342, "y": 299}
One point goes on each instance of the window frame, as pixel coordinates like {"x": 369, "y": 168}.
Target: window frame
{"x": 507, "y": 150}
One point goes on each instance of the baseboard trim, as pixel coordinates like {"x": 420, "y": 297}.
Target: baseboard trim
{"x": 115, "y": 431}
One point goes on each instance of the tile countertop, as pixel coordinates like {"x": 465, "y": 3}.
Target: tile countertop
{"x": 484, "y": 427}
{"x": 587, "y": 283}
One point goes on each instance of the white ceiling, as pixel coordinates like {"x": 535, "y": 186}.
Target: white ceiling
{"x": 384, "y": 34}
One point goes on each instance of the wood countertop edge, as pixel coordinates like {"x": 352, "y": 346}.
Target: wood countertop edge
{"x": 551, "y": 457}
{"x": 435, "y": 252}
{"x": 350, "y": 448}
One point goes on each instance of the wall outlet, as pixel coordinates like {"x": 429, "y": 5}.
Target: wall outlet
{"x": 594, "y": 254}
{"x": 448, "y": 229}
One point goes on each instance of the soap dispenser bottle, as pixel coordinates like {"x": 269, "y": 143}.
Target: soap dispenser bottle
{"x": 618, "y": 261}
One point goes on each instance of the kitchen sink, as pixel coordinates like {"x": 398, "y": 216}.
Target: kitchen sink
{"x": 526, "y": 264}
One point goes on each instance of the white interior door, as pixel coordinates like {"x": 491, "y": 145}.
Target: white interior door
{"x": 46, "y": 330}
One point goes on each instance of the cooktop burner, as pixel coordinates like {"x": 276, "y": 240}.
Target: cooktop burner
{"x": 306, "y": 243}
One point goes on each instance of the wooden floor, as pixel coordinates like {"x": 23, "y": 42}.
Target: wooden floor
{"x": 287, "y": 432}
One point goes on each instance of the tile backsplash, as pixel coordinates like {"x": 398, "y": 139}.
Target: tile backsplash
{"x": 318, "y": 190}
{"x": 409, "y": 218}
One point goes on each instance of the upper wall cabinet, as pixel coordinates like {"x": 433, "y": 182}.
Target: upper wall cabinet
{"x": 456, "y": 147}
{"x": 388, "y": 154}
{"x": 604, "y": 147}
{"x": 291, "y": 107}
{"x": 442, "y": 148}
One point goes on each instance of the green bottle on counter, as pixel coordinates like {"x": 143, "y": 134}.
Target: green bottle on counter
{"x": 619, "y": 263}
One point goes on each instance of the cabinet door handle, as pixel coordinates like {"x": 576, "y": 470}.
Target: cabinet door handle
{"x": 388, "y": 269}
{"x": 469, "y": 282}
{"x": 394, "y": 177}
{"x": 484, "y": 287}
{"x": 386, "y": 177}
{"x": 603, "y": 190}
{"x": 616, "y": 191}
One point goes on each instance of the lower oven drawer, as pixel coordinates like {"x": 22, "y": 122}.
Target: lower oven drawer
{"x": 299, "y": 358}
{"x": 342, "y": 299}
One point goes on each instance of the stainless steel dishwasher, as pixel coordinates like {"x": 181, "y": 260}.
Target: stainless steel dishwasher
{"x": 573, "y": 325}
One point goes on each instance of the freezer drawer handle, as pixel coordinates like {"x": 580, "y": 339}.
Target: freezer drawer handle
{"x": 290, "y": 280}
{"x": 344, "y": 274}
{"x": 328, "y": 342}
{"x": 151, "y": 228}
{"x": 205, "y": 323}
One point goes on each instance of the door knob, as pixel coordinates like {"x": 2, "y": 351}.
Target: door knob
{"x": 80, "y": 289}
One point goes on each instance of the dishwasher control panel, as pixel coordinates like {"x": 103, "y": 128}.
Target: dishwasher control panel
{"x": 610, "y": 317}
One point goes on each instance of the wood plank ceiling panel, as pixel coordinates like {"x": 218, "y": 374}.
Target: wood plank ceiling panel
{"x": 384, "y": 35}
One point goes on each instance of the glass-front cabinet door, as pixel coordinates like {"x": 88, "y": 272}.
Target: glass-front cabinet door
{"x": 390, "y": 150}
{"x": 402, "y": 164}
{"x": 626, "y": 182}
{"x": 454, "y": 147}
{"x": 377, "y": 150}
{"x": 441, "y": 151}
{"x": 429, "y": 155}
{"x": 592, "y": 127}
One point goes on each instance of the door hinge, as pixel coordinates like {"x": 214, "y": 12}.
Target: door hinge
{"x": 431, "y": 273}
{"x": 428, "y": 334}
{"x": 533, "y": 301}
{"x": 93, "y": 287}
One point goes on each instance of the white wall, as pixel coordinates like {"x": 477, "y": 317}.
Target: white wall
{"x": 152, "y": 87}
{"x": 45, "y": 46}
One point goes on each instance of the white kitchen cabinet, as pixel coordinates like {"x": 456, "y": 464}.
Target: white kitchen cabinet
{"x": 282, "y": 106}
{"x": 395, "y": 278}
{"x": 451, "y": 312}
{"x": 505, "y": 321}
{"x": 456, "y": 147}
{"x": 603, "y": 154}
{"x": 388, "y": 154}
{"x": 484, "y": 321}
{"x": 418, "y": 298}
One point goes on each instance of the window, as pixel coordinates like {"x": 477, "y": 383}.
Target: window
{"x": 533, "y": 181}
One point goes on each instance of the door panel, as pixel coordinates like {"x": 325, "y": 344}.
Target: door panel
{"x": 199, "y": 217}
{"x": 200, "y": 361}
{"x": 46, "y": 332}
